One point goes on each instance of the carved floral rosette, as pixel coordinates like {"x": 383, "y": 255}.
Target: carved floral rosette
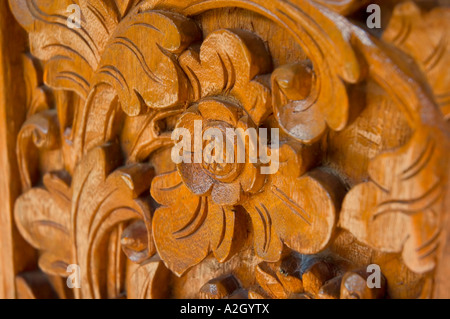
{"x": 114, "y": 203}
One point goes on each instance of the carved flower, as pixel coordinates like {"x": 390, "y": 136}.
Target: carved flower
{"x": 225, "y": 182}
{"x": 204, "y": 202}
{"x": 292, "y": 208}
{"x": 197, "y": 215}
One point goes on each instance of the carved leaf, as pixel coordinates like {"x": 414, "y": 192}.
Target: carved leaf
{"x": 149, "y": 42}
{"x": 143, "y": 134}
{"x": 310, "y": 98}
{"x": 87, "y": 60}
{"x": 399, "y": 210}
{"x": 228, "y": 62}
{"x": 409, "y": 26}
{"x": 38, "y": 97}
{"x": 150, "y": 78}
{"x": 114, "y": 265}
{"x": 124, "y": 6}
{"x": 149, "y": 281}
{"x": 318, "y": 30}
{"x": 354, "y": 286}
{"x": 95, "y": 216}
{"x": 99, "y": 120}
{"x": 89, "y": 217}
{"x": 187, "y": 227}
{"x": 43, "y": 218}
{"x": 40, "y": 131}
{"x": 71, "y": 55}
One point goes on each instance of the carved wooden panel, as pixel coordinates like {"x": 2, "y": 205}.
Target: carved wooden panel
{"x": 362, "y": 155}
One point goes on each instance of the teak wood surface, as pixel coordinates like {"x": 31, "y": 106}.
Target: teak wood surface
{"x": 87, "y": 177}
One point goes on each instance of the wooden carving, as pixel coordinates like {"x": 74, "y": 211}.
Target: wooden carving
{"x": 359, "y": 136}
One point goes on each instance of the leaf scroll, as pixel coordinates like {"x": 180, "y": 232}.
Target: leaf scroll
{"x": 149, "y": 42}
{"x": 399, "y": 210}
{"x": 43, "y": 218}
{"x": 71, "y": 55}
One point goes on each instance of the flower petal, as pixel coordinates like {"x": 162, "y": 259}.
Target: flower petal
{"x": 236, "y": 73}
{"x": 184, "y": 237}
{"x": 168, "y": 189}
{"x": 251, "y": 180}
{"x": 187, "y": 119}
{"x": 218, "y": 110}
{"x": 299, "y": 211}
{"x": 227, "y": 230}
{"x": 180, "y": 234}
{"x": 267, "y": 244}
{"x": 226, "y": 194}
{"x": 195, "y": 178}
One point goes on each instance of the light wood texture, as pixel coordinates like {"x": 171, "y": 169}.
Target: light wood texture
{"x": 87, "y": 116}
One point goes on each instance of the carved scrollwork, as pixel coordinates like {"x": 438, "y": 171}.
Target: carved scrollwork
{"x": 141, "y": 69}
{"x": 411, "y": 25}
{"x": 399, "y": 211}
{"x": 82, "y": 214}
